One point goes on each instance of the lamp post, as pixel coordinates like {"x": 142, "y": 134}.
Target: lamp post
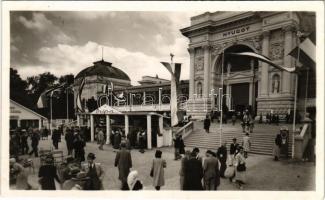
{"x": 221, "y": 94}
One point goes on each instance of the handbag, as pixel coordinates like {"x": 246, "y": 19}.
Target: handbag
{"x": 229, "y": 172}
{"x": 241, "y": 167}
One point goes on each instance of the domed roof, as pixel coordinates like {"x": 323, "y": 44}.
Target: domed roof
{"x": 103, "y": 68}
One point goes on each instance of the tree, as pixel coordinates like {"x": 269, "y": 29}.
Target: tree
{"x": 18, "y": 89}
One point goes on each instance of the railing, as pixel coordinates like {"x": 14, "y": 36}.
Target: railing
{"x": 149, "y": 107}
{"x": 301, "y": 141}
{"x": 186, "y": 130}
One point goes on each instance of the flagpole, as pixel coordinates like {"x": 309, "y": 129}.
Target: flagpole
{"x": 221, "y": 95}
{"x": 295, "y": 99}
{"x": 51, "y": 112}
{"x": 67, "y": 105}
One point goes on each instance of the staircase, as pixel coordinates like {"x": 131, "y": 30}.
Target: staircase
{"x": 262, "y": 138}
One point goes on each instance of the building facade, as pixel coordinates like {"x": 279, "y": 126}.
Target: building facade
{"x": 246, "y": 82}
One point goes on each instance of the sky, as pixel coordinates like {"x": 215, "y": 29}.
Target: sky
{"x": 67, "y": 42}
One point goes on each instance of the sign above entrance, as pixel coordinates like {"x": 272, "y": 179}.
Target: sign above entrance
{"x": 237, "y": 31}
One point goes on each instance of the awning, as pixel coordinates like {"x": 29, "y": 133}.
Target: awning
{"x": 105, "y": 109}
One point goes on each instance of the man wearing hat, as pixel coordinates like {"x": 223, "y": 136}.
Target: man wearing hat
{"x": 123, "y": 162}
{"x": 193, "y": 173}
{"x": 211, "y": 171}
{"x": 95, "y": 173}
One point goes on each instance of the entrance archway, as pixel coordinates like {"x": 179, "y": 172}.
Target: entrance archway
{"x": 240, "y": 85}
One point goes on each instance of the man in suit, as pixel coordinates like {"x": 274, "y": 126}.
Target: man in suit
{"x": 211, "y": 171}
{"x": 193, "y": 173}
{"x": 222, "y": 156}
{"x": 95, "y": 173}
{"x": 123, "y": 162}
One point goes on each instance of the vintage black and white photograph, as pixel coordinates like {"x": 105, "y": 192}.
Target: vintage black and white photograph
{"x": 184, "y": 100}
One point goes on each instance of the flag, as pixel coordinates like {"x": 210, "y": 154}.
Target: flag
{"x": 263, "y": 59}
{"x": 41, "y": 102}
{"x": 79, "y": 105}
{"x": 307, "y": 51}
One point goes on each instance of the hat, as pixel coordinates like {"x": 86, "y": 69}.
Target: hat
{"x": 91, "y": 156}
{"x": 132, "y": 179}
{"x": 81, "y": 176}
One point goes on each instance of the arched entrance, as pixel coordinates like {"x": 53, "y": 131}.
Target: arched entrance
{"x": 240, "y": 81}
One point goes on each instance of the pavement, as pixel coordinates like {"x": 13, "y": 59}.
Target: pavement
{"x": 262, "y": 172}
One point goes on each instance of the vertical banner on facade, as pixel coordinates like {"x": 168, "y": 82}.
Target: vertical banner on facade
{"x": 175, "y": 71}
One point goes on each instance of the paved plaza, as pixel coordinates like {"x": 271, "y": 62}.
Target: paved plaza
{"x": 262, "y": 172}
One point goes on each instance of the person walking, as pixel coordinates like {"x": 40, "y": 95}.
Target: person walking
{"x": 246, "y": 144}
{"x": 69, "y": 138}
{"x": 207, "y": 123}
{"x": 211, "y": 171}
{"x": 24, "y": 143}
{"x": 233, "y": 147}
{"x": 35, "y": 140}
{"x": 222, "y": 157}
{"x": 48, "y": 174}
{"x": 177, "y": 147}
{"x": 123, "y": 161}
{"x": 157, "y": 170}
{"x": 181, "y": 171}
{"x": 240, "y": 166}
{"x": 56, "y": 138}
{"x": 79, "y": 148}
{"x": 233, "y": 119}
{"x": 95, "y": 173}
{"x": 193, "y": 173}
{"x": 101, "y": 139}
{"x": 117, "y": 139}
{"x": 277, "y": 147}
{"x": 142, "y": 141}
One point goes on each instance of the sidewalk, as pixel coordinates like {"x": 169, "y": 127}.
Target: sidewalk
{"x": 262, "y": 172}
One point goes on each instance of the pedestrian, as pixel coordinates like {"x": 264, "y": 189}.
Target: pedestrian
{"x": 101, "y": 139}
{"x": 240, "y": 165}
{"x": 35, "y": 140}
{"x": 133, "y": 181}
{"x": 222, "y": 156}
{"x": 233, "y": 147}
{"x": 69, "y": 138}
{"x": 181, "y": 145}
{"x": 48, "y": 174}
{"x": 246, "y": 144}
{"x": 233, "y": 119}
{"x": 193, "y": 173}
{"x": 157, "y": 170}
{"x": 19, "y": 175}
{"x": 207, "y": 123}
{"x": 211, "y": 171}
{"x": 123, "y": 161}
{"x": 142, "y": 141}
{"x": 79, "y": 148}
{"x": 181, "y": 171}
{"x": 277, "y": 147}
{"x": 24, "y": 143}
{"x": 117, "y": 140}
{"x": 197, "y": 154}
{"x": 95, "y": 173}
{"x": 55, "y": 138}
{"x": 177, "y": 147}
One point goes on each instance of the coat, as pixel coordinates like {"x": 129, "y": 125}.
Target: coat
{"x": 210, "y": 168}
{"x": 158, "y": 166}
{"x": 47, "y": 174}
{"x": 69, "y": 138}
{"x": 97, "y": 183}
{"x": 193, "y": 174}
{"x": 207, "y": 123}
{"x": 123, "y": 162}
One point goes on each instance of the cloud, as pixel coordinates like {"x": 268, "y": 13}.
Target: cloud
{"x": 46, "y": 28}
{"x": 65, "y": 59}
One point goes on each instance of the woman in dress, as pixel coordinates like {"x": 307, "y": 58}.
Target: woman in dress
{"x": 246, "y": 144}
{"x": 47, "y": 173}
{"x": 240, "y": 165}
{"x": 157, "y": 170}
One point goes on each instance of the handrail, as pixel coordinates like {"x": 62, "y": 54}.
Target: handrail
{"x": 186, "y": 130}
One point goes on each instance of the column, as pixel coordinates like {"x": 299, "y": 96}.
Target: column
{"x": 228, "y": 68}
{"x": 108, "y": 128}
{"x": 18, "y": 122}
{"x": 207, "y": 75}
{"x": 126, "y": 122}
{"x": 287, "y": 62}
{"x": 191, "y": 86}
{"x": 40, "y": 123}
{"x": 265, "y": 66}
{"x": 149, "y": 131}
{"x": 78, "y": 120}
{"x": 159, "y": 96}
{"x": 228, "y": 94}
{"x": 144, "y": 98}
{"x": 250, "y": 101}
{"x": 92, "y": 134}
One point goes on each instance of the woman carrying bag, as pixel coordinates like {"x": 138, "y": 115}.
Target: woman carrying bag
{"x": 240, "y": 166}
